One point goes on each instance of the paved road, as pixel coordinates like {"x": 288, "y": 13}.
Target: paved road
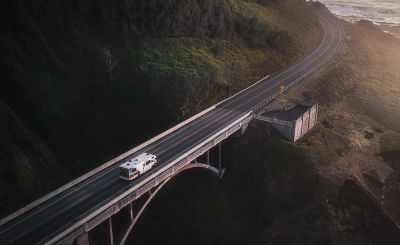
{"x": 61, "y": 211}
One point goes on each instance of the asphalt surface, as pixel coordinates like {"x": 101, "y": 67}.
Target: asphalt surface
{"x": 61, "y": 211}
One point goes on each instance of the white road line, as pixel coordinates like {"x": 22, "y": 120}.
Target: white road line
{"x": 167, "y": 137}
{"x": 262, "y": 81}
{"x": 197, "y": 143}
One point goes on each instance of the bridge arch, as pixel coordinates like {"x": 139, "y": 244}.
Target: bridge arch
{"x": 218, "y": 172}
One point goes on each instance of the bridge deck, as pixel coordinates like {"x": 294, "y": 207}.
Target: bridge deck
{"x": 72, "y": 208}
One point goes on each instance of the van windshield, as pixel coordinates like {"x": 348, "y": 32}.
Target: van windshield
{"x": 124, "y": 172}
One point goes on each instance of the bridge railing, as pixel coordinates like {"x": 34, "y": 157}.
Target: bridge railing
{"x": 275, "y": 120}
{"x": 101, "y": 168}
{"x": 104, "y": 166}
{"x": 104, "y": 210}
{"x": 116, "y": 159}
{"x": 254, "y": 111}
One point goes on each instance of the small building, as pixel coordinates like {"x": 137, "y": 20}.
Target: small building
{"x": 293, "y": 122}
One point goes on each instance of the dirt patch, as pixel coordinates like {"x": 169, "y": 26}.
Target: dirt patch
{"x": 358, "y": 215}
{"x": 369, "y": 135}
{"x": 355, "y": 145}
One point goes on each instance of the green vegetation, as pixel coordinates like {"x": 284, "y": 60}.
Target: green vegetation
{"x": 63, "y": 114}
{"x": 338, "y": 185}
{"x": 267, "y": 180}
{"x": 175, "y": 58}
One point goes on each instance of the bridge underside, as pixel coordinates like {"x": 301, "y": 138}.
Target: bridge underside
{"x": 152, "y": 187}
{"x": 135, "y": 212}
{"x": 153, "y": 193}
{"x": 226, "y": 118}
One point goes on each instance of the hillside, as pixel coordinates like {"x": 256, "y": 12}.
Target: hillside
{"x": 338, "y": 185}
{"x": 64, "y": 113}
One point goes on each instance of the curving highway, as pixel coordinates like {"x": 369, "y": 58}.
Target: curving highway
{"x": 50, "y": 217}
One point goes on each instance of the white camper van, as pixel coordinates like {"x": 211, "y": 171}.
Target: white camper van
{"x": 137, "y": 166}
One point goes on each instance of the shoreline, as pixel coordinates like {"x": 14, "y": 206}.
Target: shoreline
{"x": 390, "y": 28}
{"x": 394, "y": 30}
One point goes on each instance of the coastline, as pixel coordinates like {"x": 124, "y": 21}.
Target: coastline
{"x": 386, "y": 27}
{"x": 391, "y": 29}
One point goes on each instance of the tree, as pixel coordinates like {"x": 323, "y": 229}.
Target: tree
{"x": 109, "y": 61}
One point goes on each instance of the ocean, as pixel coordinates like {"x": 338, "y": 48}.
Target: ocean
{"x": 380, "y": 12}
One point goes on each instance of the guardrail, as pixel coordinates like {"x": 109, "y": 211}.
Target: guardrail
{"x": 105, "y": 210}
{"x": 117, "y": 159}
{"x": 274, "y": 120}
{"x": 143, "y": 145}
{"x": 101, "y": 167}
{"x": 124, "y": 198}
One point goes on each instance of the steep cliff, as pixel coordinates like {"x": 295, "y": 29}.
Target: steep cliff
{"x": 338, "y": 185}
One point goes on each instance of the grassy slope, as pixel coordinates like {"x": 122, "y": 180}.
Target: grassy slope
{"x": 56, "y": 84}
{"x": 338, "y": 185}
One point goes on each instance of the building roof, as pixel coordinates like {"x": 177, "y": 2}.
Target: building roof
{"x": 132, "y": 162}
{"x": 289, "y": 115}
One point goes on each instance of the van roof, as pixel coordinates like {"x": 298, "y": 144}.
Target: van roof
{"x": 142, "y": 158}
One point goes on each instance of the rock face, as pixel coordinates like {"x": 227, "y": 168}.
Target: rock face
{"x": 361, "y": 218}
{"x": 61, "y": 115}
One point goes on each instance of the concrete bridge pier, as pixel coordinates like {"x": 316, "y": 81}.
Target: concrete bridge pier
{"x": 241, "y": 131}
{"x": 135, "y": 205}
{"x": 111, "y": 230}
{"x": 219, "y": 156}
{"x": 83, "y": 239}
{"x": 131, "y": 210}
{"x": 153, "y": 192}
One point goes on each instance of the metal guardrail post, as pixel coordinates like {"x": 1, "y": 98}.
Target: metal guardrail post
{"x": 131, "y": 210}
{"x": 219, "y": 155}
{"x": 83, "y": 239}
{"x": 111, "y": 230}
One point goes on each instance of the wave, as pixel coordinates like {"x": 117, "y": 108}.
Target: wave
{"x": 377, "y": 11}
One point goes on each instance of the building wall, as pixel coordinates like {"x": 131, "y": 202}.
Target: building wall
{"x": 306, "y": 122}
{"x": 287, "y": 131}
{"x": 313, "y": 116}
{"x": 296, "y": 129}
